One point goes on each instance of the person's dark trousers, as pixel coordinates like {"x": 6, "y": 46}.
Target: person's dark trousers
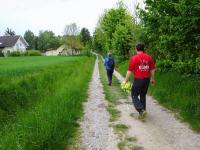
{"x": 109, "y": 74}
{"x": 139, "y": 88}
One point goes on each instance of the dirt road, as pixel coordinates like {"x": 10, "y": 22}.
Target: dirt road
{"x": 160, "y": 131}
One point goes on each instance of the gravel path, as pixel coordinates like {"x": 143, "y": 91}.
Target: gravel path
{"x": 161, "y": 130}
{"x": 97, "y": 135}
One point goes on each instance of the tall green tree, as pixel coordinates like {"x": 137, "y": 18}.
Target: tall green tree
{"x": 30, "y": 38}
{"x": 117, "y": 25}
{"x": 47, "y": 40}
{"x": 99, "y": 41}
{"x": 85, "y": 36}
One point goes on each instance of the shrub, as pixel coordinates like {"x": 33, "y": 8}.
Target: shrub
{"x": 1, "y": 54}
{"x": 14, "y": 54}
{"x": 26, "y": 53}
{"x": 32, "y": 53}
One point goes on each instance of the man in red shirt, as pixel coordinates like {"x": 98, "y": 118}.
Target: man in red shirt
{"x": 143, "y": 67}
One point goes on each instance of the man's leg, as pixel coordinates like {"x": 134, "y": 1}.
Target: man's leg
{"x": 136, "y": 89}
{"x": 109, "y": 77}
{"x": 144, "y": 92}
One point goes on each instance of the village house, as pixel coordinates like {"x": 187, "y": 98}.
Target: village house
{"x": 9, "y": 44}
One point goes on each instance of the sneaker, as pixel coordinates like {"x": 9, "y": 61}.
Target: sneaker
{"x": 142, "y": 115}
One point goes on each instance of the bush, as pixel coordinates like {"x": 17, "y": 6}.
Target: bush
{"x": 26, "y": 53}
{"x": 1, "y": 54}
{"x": 14, "y": 54}
{"x": 86, "y": 51}
{"x": 32, "y": 53}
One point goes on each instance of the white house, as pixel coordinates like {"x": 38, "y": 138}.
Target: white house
{"x": 10, "y": 44}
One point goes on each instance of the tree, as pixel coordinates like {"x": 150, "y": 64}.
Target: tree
{"x": 9, "y": 32}
{"x": 99, "y": 41}
{"x": 30, "y": 38}
{"x": 85, "y": 37}
{"x": 171, "y": 28}
{"x": 71, "y": 30}
{"x": 47, "y": 40}
{"x": 71, "y": 35}
{"x": 74, "y": 43}
{"x": 117, "y": 26}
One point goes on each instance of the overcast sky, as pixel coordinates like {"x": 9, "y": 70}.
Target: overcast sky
{"x": 21, "y": 15}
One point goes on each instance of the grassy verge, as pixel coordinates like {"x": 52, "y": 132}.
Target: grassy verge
{"x": 123, "y": 67}
{"x": 112, "y": 93}
{"x": 178, "y": 93}
{"x": 56, "y": 101}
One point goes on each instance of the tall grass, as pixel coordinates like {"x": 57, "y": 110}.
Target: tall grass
{"x": 123, "y": 67}
{"x": 179, "y": 93}
{"x": 55, "y": 104}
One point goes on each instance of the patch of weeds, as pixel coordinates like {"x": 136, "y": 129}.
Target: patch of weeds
{"x": 121, "y": 145}
{"x": 136, "y": 147}
{"x": 115, "y": 114}
{"x": 112, "y": 93}
{"x": 121, "y": 128}
{"x": 131, "y": 139}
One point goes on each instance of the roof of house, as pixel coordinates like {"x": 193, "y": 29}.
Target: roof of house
{"x": 10, "y": 41}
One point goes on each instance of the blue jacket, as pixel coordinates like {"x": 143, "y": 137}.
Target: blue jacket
{"x": 109, "y": 63}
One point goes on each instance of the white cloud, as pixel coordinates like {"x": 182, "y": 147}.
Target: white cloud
{"x": 36, "y": 15}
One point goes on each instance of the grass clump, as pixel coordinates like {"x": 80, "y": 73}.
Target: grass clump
{"x": 121, "y": 128}
{"x": 121, "y": 145}
{"x": 115, "y": 114}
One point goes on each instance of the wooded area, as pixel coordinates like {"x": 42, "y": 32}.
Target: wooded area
{"x": 169, "y": 29}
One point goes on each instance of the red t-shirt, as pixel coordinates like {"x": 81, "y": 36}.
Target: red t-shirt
{"x": 142, "y": 64}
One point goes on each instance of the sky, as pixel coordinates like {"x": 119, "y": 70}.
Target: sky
{"x": 35, "y": 15}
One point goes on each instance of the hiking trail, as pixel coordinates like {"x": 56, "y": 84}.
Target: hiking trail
{"x": 160, "y": 131}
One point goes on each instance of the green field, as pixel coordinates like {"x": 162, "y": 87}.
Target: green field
{"x": 41, "y": 100}
{"x": 177, "y": 92}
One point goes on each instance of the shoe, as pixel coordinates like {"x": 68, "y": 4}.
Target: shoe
{"x": 142, "y": 115}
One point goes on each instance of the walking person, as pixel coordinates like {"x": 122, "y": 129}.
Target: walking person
{"x": 110, "y": 65}
{"x": 143, "y": 67}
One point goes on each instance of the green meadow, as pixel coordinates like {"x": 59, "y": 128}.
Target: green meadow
{"x": 41, "y": 100}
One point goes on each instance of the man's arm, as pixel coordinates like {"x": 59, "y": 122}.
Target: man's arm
{"x": 128, "y": 75}
{"x": 153, "y": 81}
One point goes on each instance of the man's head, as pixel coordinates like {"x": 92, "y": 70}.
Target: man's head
{"x": 109, "y": 54}
{"x": 140, "y": 47}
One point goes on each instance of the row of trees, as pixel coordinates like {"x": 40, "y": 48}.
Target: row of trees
{"x": 44, "y": 41}
{"x": 169, "y": 28}
{"x": 72, "y": 38}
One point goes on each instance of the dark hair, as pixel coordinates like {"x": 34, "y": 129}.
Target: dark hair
{"x": 140, "y": 47}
